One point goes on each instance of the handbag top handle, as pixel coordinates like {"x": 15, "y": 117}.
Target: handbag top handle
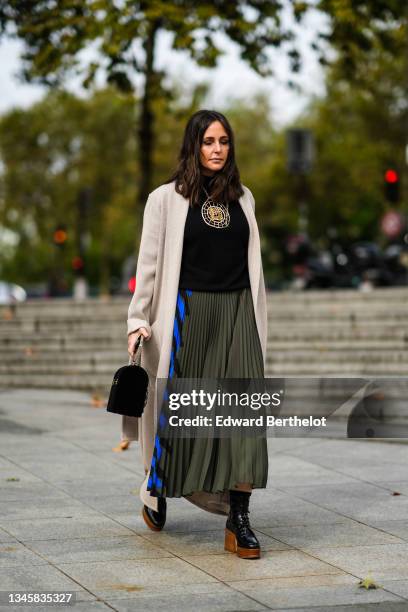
{"x": 137, "y": 355}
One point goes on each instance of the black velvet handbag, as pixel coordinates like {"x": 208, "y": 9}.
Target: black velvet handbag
{"x": 129, "y": 390}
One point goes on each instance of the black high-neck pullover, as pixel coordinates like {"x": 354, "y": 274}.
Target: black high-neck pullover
{"x": 215, "y": 259}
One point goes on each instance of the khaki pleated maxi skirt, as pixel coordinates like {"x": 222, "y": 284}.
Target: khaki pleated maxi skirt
{"x": 214, "y": 335}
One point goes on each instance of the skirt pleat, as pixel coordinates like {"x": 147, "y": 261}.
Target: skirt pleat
{"x": 214, "y": 336}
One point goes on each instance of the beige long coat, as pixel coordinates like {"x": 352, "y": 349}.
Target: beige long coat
{"x": 153, "y": 306}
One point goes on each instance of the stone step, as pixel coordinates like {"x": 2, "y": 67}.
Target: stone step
{"x": 313, "y": 298}
{"x": 64, "y": 343}
{"x": 299, "y": 360}
{"x": 66, "y": 369}
{"x": 274, "y": 324}
{"x": 98, "y": 382}
{"x": 284, "y": 342}
{"x": 279, "y": 310}
{"x": 324, "y": 369}
{"x": 275, "y": 351}
{"x": 44, "y": 360}
{"x": 362, "y": 357}
{"x": 284, "y": 338}
{"x": 300, "y": 321}
{"x": 293, "y": 301}
{"x": 102, "y": 381}
{"x": 349, "y": 334}
{"x": 113, "y": 350}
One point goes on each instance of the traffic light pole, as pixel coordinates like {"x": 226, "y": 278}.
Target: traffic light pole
{"x": 57, "y": 282}
{"x": 300, "y": 156}
{"x": 81, "y": 288}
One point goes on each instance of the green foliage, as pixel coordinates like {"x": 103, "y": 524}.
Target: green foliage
{"x": 54, "y": 34}
{"x": 62, "y": 144}
{"x": 357, "y": 29}
{"x": 360, "y": 128}
{"x": 50, "y": 152}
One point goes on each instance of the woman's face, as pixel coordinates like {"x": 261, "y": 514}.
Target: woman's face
{"x": 214, "y": 148}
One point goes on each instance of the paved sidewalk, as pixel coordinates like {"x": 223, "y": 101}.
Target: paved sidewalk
{"x": 70, "y": 520}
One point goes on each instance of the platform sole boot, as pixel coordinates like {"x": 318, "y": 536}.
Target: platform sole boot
{"x": 156, "y": 520}
{"x": 239, "y": 537}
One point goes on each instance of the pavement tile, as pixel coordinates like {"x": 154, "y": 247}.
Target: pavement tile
{"x": 18, "y": 428}
{"x": 94, "y": 437}
{"x": 79, "y": 464}
{"x": 370, "y": 471}
{"x": 228, "y": 567}
{"x": 360, "y": 501}
{"x": 360, "y": 464}
{"x": 4, "y": 464}
{"x": 6, "y": 537}
{"x": 135, "y": 522}
{"x": 399, "y": 587}
{"x": 70, "y": 526}
{"x": 25, "y": 448}
{"x": 389, "y": 606}
{"x": 329, "y": 452}
{"x": 77, "y": 606}
{"x": 111, "y": 504}
{"x": 14, "y": 474}
{"x": 203, "y": 542}
{"x": 43, "y": 508}
{"x": 26, "y": 490}
{"x": 106, "y": 548}
{"x": 331, "y": 535}
{"x": 274, "y": 508}
{"x": 15, "y": 553}
{"x": 93, "y": 487}
{"x": 275, "y": 511}
{"x": 322, "y": 591}
{"x": 386, "y": 561}
{"x": 401, "y": 486}
{"x": 292, "y": 471}
{"x": 214, "y": 597}
{"x": 182, "y": 516}
{"x": 12, "y": 471}
{"x": 396, "y": 528}
{"x": 40, "y": 578}
{"x": 287, "y": 445}
{"x": 124, "y": 579}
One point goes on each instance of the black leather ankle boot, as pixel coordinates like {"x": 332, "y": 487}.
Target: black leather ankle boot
{"x": 239, "y": 536}
{"x": 156, "y": 520}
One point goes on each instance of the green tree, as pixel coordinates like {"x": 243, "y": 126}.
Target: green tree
{"x": 50, "y": 152}
{"x": 62, "y": 144}
{"x": 361, "y": 128}
{"x": 125, "y": 37}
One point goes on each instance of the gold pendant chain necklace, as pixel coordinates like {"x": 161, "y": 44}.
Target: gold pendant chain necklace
{"x": 215, "y": 214}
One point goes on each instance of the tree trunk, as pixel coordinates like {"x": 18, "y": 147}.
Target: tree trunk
{"x": 146, "y": 119}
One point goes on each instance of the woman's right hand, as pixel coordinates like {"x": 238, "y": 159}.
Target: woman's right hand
{"x": 133, "y": 338}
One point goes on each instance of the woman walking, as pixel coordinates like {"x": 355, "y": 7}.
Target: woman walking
{"x": 200, "y": 304}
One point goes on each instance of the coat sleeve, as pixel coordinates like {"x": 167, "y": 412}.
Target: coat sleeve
{"x": 139, "y": 308}
{"x": 251, "y": 198}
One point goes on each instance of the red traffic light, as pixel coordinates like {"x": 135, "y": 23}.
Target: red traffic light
{"x": 391, "y": 176}
{"x": 391, "y": 186}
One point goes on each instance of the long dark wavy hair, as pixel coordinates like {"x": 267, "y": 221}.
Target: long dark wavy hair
{"x": 226, "y": 185}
